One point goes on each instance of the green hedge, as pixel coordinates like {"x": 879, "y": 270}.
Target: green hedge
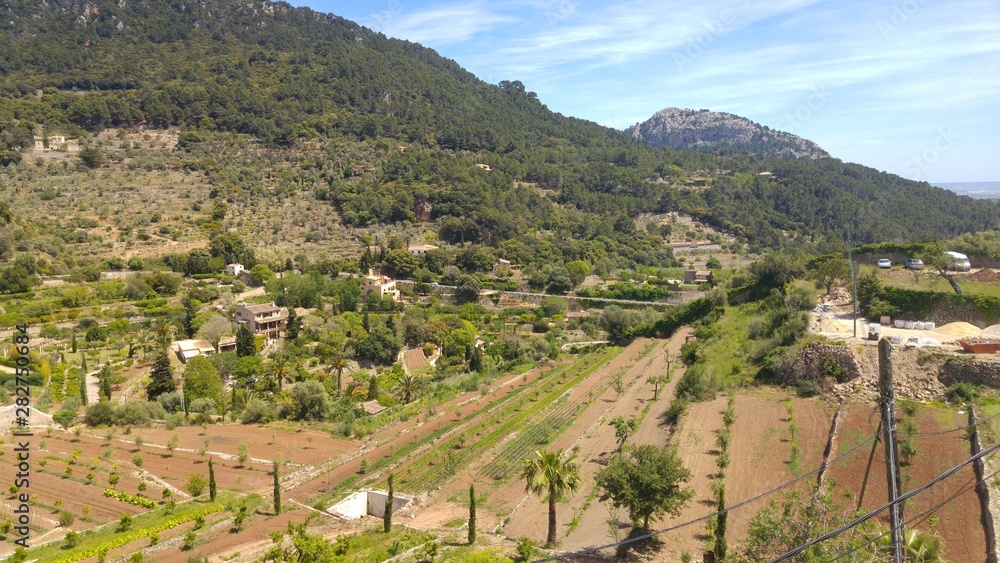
{"x": 912, "y": 249}
{"x": 917, "y": 304}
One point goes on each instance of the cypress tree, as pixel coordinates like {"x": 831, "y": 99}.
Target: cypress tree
{"x": 211, "y": 480}
{"x": 720, "y": 528}
{"x": 472, "y": 513}
{"x": 83, "y": 387}
{"x": 161, "y": 380}
{"x": 244, "y": 342}
{"x": 387, "y": 517}
{"x": 277, "y": 489}
{"x": 292, "y": 325}
{"x": 189, "y": 314}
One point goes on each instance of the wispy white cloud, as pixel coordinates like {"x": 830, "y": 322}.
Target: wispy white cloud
{"x": 893, "y": 72}
{"x": 439, "y": 25}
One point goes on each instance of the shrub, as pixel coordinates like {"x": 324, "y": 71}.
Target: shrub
{"x": 101, "y": 414}
{"x": 524, "y": 549}
{"x": 131, "y": 414}
{"x": 962, "y": 392}
{"x": 171, "y": 402}
{"x": 196, "y": 483}
{"x": 257, "y": 411}
{"x": 66, "y": 518}
{"x": 155, "y": 410}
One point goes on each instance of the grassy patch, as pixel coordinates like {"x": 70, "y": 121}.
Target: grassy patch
{"x": 143, "y": 524}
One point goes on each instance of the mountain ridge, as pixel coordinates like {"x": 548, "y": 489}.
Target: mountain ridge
{"x": 290, "y": 76}
{"x": 707, "y": 130}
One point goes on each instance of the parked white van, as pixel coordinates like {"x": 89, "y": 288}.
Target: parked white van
{"x": 958, "y": 261}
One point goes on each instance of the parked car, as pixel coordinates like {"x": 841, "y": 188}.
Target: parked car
{"x": 958, "y": 261}
{"x": 884, "y": 263}
{"x": 915, "y": 264}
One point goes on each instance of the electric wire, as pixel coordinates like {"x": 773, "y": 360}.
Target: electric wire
{"x": 918, "y": 518}
{"x": 966, "y": 427}
{"x": 741, "y": 504}
{"x": 882, "y": 508}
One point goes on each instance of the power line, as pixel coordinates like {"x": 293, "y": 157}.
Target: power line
{"x": 876, "y": 512}
{"x": 966, "y": 427}
{"x": 918, "y": 518}
{"x": 714, "y": 514}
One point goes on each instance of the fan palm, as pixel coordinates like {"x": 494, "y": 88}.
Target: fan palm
{"x": 339, "y": 363}
{"x": 406, "y": 386}
{"x": 549, "y": 474}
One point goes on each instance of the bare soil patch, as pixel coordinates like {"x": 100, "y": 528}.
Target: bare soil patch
{"x": 958, "y": 520}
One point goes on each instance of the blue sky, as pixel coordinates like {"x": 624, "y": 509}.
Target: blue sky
{"x": 907, "y": 86}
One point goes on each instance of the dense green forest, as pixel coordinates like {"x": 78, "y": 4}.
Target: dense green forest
{"x": 291, "y": 76}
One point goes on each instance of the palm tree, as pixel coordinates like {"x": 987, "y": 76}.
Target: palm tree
{"x": 144, "y": 340}
{"x": 357, "y": 393}
{"x": 104, "y": 379}
{"x": 281, "y": 370}
{"x": 918, "y": 547}
{"x": 922, "y": 547}
{"x": 549, "y": 474}
{"x": 406, "y": 386}
{"x": 165, "y": 332}
{"x": 339, "y": 363}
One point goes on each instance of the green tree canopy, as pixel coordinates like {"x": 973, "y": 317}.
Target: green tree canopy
{"x": 647, "y": 481}
{"x": 202, "y": 381}
{"x": 828, "y": 270}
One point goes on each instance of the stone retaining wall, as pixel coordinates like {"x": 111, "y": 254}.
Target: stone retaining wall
{"x": 824, "y": 364}
{"x": 970, "y": 370}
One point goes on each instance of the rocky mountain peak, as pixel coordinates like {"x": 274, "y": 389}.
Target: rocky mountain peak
{"x": 709, "y": 130}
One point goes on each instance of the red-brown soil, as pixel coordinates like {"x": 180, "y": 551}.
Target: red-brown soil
{"x": 959, "y": 522}
{"x": 761, "y": 452}
{"x": 595, "y": 442}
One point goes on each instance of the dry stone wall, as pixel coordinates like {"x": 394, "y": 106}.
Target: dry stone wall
{"x": 823, "y": 364}
{"x": 971, "y": 370}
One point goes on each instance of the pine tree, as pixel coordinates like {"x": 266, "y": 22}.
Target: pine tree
{"x": 245, "y": 345}
{"x": 211, "y": 480}
{"x": 373, "y": 388}
{"x": 161, "y": 379}
{"x": 472, "y": 513}
{"x": 387, "y": 517}
{"x": 277, "y": 489}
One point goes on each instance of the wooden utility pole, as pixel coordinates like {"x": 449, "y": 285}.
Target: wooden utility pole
{"x": 854, "y": 283}
{"x": 887, "y": 405}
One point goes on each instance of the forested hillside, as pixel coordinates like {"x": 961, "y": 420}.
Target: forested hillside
{"x": 292, "y": 78}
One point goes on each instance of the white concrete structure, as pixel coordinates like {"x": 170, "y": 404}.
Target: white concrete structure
{"x": 367, "y": 503}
